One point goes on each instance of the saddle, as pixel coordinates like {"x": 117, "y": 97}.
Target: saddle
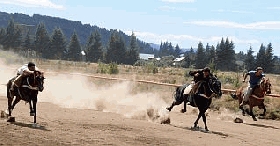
{"x": 179, "y": 93}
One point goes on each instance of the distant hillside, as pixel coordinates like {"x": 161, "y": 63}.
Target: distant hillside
{"x": 68, "y": 27}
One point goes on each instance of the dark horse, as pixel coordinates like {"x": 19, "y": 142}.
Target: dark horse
{"x": 256, "y": 98}
{"x": 202, "y": 99}
{"x": 28, "y": 92}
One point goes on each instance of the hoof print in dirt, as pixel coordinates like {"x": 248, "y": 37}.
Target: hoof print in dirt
{"x": 238, "y": 120}
{"x": 166, "y": 121}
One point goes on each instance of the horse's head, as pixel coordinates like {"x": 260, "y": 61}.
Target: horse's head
{"x": 266, "y": 85}
{"x": 39, "y": 77}
{"x": 216, "y": 86}
{"x": 35, "y": 81}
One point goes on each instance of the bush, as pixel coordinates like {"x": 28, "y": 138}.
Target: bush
{"x": 113, "y": 68}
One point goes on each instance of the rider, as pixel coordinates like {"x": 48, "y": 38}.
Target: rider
{"x": 199, "y": 76}
{"x": 24, "y": 70}
{"x": 255, "y": 79}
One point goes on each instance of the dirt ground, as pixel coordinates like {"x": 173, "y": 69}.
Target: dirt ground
{"x": 70, "y": 114}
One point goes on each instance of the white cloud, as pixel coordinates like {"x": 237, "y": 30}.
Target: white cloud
{"x": 232, "y": 11}
{"x": 168, "y": 8}
{"x": 33, "y": 3}
{"x": 185, "y": 41}
{"x": 273, "y": 25}
{"x": 273, "y": 8}
{"x": 178, "y": 1}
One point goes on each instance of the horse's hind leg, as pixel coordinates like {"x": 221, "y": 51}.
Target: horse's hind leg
{"x": 172, "y": 105}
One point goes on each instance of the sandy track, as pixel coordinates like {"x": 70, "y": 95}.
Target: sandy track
{"x": 61, "y": 126}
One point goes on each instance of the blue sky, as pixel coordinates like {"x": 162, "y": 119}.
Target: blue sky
{"x": 182, "y": 22}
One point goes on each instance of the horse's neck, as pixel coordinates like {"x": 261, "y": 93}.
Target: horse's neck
{"x": 258, "y": 91}
{"x": 28, "y": 80}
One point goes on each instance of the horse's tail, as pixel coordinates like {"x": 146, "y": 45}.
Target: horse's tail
{"x": 237, "y": 93}
{"x": 9, "y": 84}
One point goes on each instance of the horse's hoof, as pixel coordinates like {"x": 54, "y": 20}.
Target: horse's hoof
{"x": 255, "y": 119}
{"x": 183, "y": 110}
{"x": 195, "y": 128}
{"x": 11, "y": 119}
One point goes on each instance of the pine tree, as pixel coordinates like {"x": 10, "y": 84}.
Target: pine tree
{"x": 74, "y": 49}
{"x": 200, "y": 59}
{"x": 177, "y": 51}
{"x": 250, "y": 62}
{"x": 13, "y": 37}
{"x": 212, "y": 56}
{"x": 133, "y": 52}
{"x": 2, "y": 35}
{"x": 27, "y": 42}
{"x": 94, "y": 48}
{"x": 269, "y": 58}
{"x": 116, "y": 49}
{"x": 42, "y": 40}
{"x": 261, "y": 57}
{"x": 58, "y": 46}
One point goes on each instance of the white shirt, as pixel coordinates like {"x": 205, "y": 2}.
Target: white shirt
{"x": 23, "y": 68}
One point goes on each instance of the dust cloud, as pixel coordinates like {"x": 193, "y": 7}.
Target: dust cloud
{"x": 74, "y": 91}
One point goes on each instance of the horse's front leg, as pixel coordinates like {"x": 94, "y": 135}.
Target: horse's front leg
{"x": 264, "y": 110}
{"x": 198, "y": 117}
{"x": 204, "y": 120}
{"x": 33, "y": 108}
{"x": 252, "y": 113}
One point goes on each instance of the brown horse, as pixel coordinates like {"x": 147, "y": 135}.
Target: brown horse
{"x": 28, "y": 92}
{"x": 255, "y": 99}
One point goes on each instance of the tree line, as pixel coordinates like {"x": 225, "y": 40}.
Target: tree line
{"x": 55, "y": 46}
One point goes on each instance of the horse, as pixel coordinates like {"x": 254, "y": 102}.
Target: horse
{"x": 28, "y": 91}
{"x": 202, "y": 99}
{"x": 255, "y": 99}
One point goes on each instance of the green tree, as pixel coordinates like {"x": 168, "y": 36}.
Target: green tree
{"x": 94, "y": 47}
{"x": 261, "y": 57}
{"x": 269, "y": 58}
{"x": 212, "y": 56}
{"x": 58, "y": 45}
{"x": 250, "y": 62}
{"x": 74, "y": 49}
{"x": 226, "y": 56}
{"x": 116, "y": 49}
{"x": 133, "y": 51}
{"x": 177, "y": 51}
{"x": 2, "y": 35}
{"x": 200, "y": 59}
{"x": 13, "y": 36}
{"x": 42, "y": 40}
